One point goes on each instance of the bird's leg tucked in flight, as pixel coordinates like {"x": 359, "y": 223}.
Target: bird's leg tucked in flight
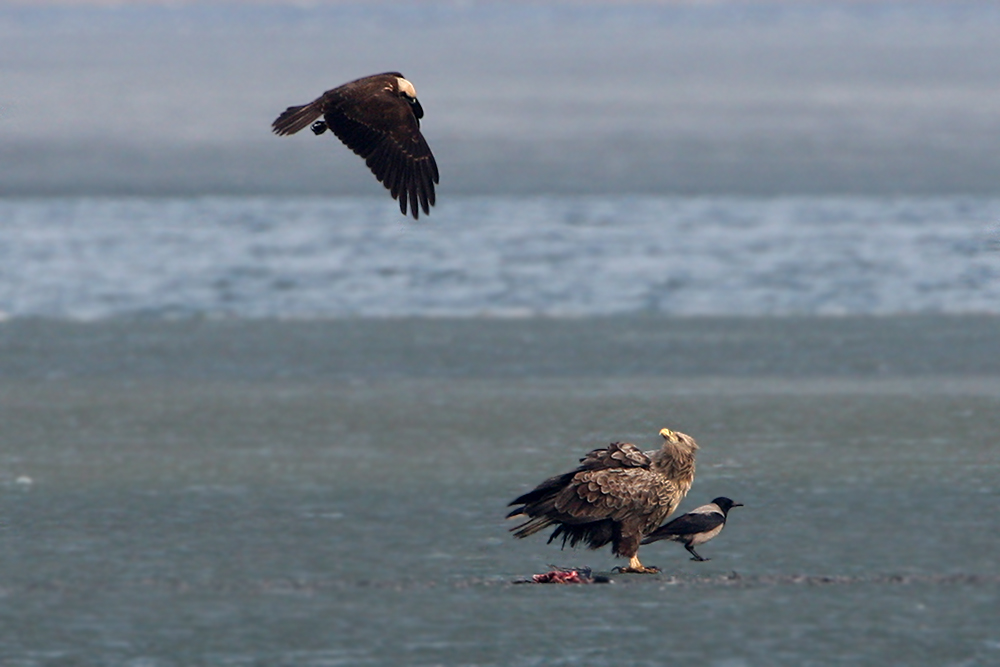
{"x": 319, "y": 127}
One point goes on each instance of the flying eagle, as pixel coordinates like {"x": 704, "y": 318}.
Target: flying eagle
{"x": 618, "y": 494}
{"x": 697, "y": 526}
{"x": 377, "y": 117}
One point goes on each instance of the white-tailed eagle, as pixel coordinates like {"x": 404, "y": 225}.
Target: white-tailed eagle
{"x": 617, "y": 495}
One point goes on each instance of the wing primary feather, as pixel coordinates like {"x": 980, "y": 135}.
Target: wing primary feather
{"x": 399, "y": 174}
{"x": 413, "y": 187}
{"x": 376, "y": 162}
{"x": 424, "y": 202}
{"x": 385, "y": 157}
{"x": 434, "y": 167}
{"x": 389, "y": 171}
{"x": 426, "y": 167}
{"x": 399, "y": 181}
{"x": 430, "y": 187}
{"x": 384, "y": 162}
{"x": 400, "y": 184}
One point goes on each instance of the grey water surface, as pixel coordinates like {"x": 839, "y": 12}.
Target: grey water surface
{"x": 243, "y": 492}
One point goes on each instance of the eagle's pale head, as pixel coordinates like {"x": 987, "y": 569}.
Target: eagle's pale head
{"x": 409, "y": 93}
{"x": 679, "y": 438}
{"x": 406, "y": 88}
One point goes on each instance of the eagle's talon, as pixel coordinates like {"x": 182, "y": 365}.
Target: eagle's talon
{"x": 642, "y": 569}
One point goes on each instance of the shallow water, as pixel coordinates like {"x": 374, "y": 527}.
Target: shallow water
{"x": 199, "y": 493}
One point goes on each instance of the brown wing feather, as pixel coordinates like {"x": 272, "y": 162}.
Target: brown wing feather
{"x": 618, "y": 494}
{"x": 540, "y": 500}
{"x": 387, "y": 136}
{"x": 616, "y": 455}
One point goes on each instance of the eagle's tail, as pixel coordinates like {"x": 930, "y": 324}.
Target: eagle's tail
{"x": 541, "y": 499}
{"x": 294, "y": 119}
{"x": 531, "y": 526}
{"x": 539, "y": 506}
{"x": 594, "y": 534}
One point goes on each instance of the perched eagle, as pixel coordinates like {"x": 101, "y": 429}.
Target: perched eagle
{"x": 697, "y": 526}
{"x": 618, "y": 494}
{"x": 377, "y": 117}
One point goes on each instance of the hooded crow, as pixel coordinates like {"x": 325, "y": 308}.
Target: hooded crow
{"x": 696, "y": 527}
{"x": 616, "y": 495}
{"x": 377, "y": 117}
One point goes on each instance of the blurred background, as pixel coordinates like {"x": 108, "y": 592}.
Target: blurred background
{"x": 740, "y": 97}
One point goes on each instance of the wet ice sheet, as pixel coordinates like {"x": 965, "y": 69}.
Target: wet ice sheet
{"x": 155, "y": 514}
{"x": 234, "y": 524}
{"x": 315, "y": 258}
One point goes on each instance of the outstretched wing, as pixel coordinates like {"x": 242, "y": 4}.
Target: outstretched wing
{"x": 383, "y": 129}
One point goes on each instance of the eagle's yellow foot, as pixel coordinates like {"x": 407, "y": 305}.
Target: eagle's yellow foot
{"x": 635, "y": 567}
{"x": 638, "y": 570}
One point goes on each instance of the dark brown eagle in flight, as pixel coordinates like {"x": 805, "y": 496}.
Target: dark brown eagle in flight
{"x": 618, "y": 494}
{"x": 377, "y": 117}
